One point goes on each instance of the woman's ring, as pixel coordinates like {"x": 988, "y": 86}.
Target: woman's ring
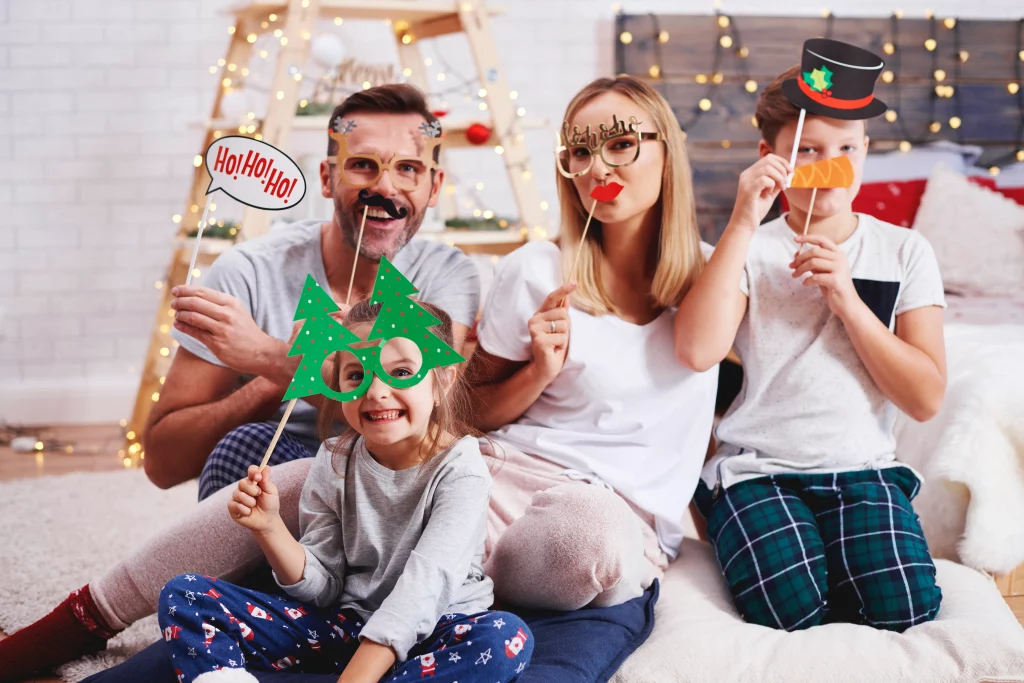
{"x": 552, "y": 327}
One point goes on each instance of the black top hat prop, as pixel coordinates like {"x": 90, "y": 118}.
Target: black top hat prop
{"x": 836, "y": 80}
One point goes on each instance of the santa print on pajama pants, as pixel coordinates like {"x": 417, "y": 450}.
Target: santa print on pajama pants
{"x": 210, "y": 624}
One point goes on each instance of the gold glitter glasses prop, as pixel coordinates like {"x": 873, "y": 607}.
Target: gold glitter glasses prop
{"x": 618, "y": 145}
{"x": 364, "y": 170}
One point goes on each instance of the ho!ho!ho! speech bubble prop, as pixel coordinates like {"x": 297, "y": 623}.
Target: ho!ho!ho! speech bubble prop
{"x": 252, "y": 172}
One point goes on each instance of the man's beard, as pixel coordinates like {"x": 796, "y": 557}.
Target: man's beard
{"x": 350, "y": 219}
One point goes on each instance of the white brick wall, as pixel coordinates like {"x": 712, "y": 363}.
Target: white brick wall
{"x": 96, "y": 148}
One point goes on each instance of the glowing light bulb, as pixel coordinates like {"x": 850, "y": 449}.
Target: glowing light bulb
{"x": 626, "y": 37}
{"x": 704, "y": 104}
{"x": 891, "y": 116}
{"x": 725, "y": 41}
{"x": 929, "y": 44}
{"x": 904, "y": 146}
{"x": 888, "y": 48}
{"x": 654, "y": 71}
{"x": 954, "y": 122}
{"x": 750, "y": 86}
{"x": 723, "y": 21}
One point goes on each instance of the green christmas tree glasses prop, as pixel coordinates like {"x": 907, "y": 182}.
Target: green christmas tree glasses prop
{"x": 400, "y": 317}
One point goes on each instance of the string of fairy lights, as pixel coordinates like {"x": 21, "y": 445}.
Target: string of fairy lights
{"x": 234, "y": 77}
{"x": 728, "y": 44}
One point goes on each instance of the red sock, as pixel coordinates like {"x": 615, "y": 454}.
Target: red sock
{"x": 74, "y": 628}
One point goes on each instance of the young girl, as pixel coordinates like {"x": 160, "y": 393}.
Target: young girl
{"x": 386, "y": 579}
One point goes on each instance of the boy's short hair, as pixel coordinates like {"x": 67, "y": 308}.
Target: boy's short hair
{"x": 390, "y": 98}
{"x": 774, "y": 110}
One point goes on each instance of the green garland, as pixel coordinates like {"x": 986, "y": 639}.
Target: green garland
{"x": 223, "y": 230}
{"x": 495, "y": 223}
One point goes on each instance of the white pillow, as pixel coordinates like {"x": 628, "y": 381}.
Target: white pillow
{"x": 919, "y": 162}
{"x": 977, "y": 234}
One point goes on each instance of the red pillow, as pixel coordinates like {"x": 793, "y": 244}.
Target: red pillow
{"x": 1014, "y": 193}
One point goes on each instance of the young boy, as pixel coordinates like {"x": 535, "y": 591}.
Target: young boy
{"x": 806, "y": 506}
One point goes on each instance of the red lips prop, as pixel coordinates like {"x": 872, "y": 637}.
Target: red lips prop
{"x": 606, "y": 193}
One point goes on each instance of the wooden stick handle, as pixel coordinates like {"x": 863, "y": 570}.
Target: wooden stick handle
{"x": 796, "y": 144}
{"x": 579, "y": 249}
{"x": 277, "y": 434}
{"x": 199, "y": 237}
{"x": 810, "y": 210}
{"x": 355, "y": 262}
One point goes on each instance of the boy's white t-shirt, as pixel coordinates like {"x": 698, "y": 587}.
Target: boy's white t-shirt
{"x": 808, "y": 404}
{"x": 622, "y": 408}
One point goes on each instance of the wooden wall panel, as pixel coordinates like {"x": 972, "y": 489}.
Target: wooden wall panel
{"x": 991, "y": 115}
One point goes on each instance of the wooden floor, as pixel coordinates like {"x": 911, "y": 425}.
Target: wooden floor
{"x": 95, "y": 449}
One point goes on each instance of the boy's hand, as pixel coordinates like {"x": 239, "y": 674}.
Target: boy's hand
{"x": 255, "y": 503}
{"x": 758, "y": 187}
{"x": 829, "y": 271}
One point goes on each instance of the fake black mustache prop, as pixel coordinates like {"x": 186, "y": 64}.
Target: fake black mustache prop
{"x": 383, "y": 202}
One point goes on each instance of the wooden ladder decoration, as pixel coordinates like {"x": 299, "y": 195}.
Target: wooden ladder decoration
{"x": 412, "y": 21}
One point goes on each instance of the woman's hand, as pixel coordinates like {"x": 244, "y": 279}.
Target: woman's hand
{"x": 255, "y": 504}
{"x": 549, "y": 333}
{"x": 829, "y": 270}
{"x": 758, "y": 187}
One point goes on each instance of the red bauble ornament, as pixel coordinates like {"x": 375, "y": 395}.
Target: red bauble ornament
{"x": 478, "y": 134}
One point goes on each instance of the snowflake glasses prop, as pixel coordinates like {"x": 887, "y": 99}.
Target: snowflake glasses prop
{"x": 618, "y": 145}
{"x": 405, "y": 352}
{"x": 364, "y": 170}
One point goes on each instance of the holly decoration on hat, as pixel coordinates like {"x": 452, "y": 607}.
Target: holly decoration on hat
{"x": 320, "y": 336}
{"x": 402, "y": 316}
{"x": 819, "y": 79}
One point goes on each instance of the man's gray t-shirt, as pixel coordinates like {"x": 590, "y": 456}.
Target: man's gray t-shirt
{"x": 808, "y": 403}
{"x": 400, "y": 547}
{"x": 267, "y": 275}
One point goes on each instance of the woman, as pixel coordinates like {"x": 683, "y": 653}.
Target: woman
{"x": 612, "y": 408}
{"x": 575, "y": 371}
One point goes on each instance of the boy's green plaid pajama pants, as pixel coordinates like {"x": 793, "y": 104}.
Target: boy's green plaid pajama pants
{"x": 803, "y": 549}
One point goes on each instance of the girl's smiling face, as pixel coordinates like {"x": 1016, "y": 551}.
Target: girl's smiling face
{"x": 385, "y": 415}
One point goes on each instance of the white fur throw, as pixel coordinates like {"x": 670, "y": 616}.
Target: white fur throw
{"x": 972, "y": 453}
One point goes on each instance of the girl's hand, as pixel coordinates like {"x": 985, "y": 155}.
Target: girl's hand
{"x": 255, "y": 503}
{"x": 549, "y": 333}
{"x": 759, "y": 185}
{"x": 829, "y": 271}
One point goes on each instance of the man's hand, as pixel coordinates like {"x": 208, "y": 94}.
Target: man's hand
{"x": 226, "y": 328}
{"x": 829, "y": 270}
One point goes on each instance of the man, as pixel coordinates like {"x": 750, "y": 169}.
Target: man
{"x": 222, "y": 399}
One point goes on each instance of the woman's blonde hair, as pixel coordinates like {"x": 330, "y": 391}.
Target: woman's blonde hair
{"x": 679, "y": 258}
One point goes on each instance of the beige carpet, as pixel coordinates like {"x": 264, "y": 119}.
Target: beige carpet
{"x": 61, "y": 532}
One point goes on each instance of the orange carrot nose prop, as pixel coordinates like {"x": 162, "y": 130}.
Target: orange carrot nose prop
{"x": 827, "y": 173}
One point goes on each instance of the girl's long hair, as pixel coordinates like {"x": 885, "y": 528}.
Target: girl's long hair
{"x": 679, "y": 257}
{"x": 450, "y": 416}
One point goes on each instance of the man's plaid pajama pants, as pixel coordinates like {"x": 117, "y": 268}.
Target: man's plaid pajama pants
{"x": 803, "y": 549}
